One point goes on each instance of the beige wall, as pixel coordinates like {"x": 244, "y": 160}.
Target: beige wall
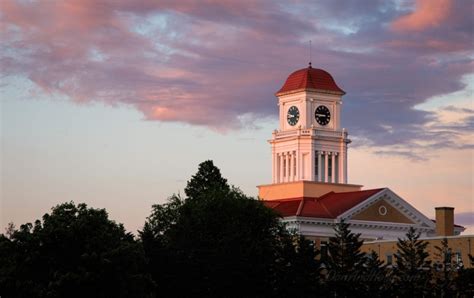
{"x": 302, "y": 189}
{"x": 462, "y": 244}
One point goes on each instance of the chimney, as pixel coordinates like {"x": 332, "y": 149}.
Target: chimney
{"x": 444, "y": 221}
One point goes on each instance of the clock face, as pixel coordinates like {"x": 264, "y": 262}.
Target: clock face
{"x": 293, "y": 115}
{"x": 322, "y": 115}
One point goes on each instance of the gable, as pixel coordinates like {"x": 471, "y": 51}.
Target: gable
{"x": 393, "y": 200}
{"x": 382, "y": 211}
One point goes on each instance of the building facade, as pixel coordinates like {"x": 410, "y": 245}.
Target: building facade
{"x": 310, "y": 188}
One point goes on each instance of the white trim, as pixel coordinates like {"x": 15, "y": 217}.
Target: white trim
{"x": 422, "y": 238}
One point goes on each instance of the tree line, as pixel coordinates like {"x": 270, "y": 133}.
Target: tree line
{"x": 214, "y": 242}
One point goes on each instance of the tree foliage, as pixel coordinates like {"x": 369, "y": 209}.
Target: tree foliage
{"x": 412, "y": 273}
{"x": 216, "y": 241}
{"x": 73, "y": 252}
{"x": 345, "y": 261}
{"x": 445, "y": 270}
{"x": 376, "y": 277}
{"x": 207, "y": 182}
{"x": 465, "y": 279}
{"x": 223, "y": 243}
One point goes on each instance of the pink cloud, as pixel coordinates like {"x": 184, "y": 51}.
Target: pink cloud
{"x": 182, "y": 61}
{"x": 430, "y": 45}
{"x": 428, "y": 13}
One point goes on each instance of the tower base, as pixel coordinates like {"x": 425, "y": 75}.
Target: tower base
{"x": 301, "y": 189}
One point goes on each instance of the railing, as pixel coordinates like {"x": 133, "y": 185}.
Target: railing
{"x": 310, "y": 132}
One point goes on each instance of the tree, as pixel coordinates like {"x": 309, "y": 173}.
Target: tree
{"x": 208, "y": 181}
{"x": 73, "y": 252}
{"x": 214, "y": 243}
{"x": 220, "y": 242}
{"x": 376, "y": 278}
{"x": 465, "y": 280}
{"x": 298, "y": 268}
{"x": 345, "y": 262}
{"x": 445, "y": 271}
{"x": 412, "y": 274}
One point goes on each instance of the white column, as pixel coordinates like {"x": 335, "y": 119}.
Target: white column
{"x": 320, "y": 172}
{"x": 273, "y": 167}
{"x": 280, "y": 168}
{"x": 311, "y": 164}
{"x": 287, "y": 174}
{"x": 345, "y": 164}
{"x": 293, "y": 165}
{"x": 333, "y": 167}
{"x": 290, "y": 164}
{"x": 298, "y": 166}
{"x": 339, "y": 168}
{"x": 326, "y": 166}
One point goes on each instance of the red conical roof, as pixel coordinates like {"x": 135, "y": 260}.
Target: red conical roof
{"x": 310, "y": 79}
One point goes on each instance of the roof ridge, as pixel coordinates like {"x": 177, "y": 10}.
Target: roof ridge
{"x": 300, "y": 207}
{"x": 285, "y": 199}
{"x": 325, "y": 195}
{"x": 359, "y": 191}
{"x": 327, "y": 210}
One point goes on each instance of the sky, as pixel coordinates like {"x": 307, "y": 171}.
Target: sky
{"x": 115, "y": 103}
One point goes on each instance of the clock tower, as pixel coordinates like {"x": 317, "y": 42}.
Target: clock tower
{"x": 310, "y": 144}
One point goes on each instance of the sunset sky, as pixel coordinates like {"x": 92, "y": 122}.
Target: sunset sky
{"x": 115, "y": 103}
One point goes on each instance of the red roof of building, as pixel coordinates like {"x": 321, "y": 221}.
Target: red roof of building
{"x": 330, "y": 205}
{"x": 312, "y": 79}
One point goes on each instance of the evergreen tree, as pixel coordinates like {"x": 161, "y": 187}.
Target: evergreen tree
{"x": 208, "y": 181}
{"x": 412, "y": 274}
{"x": 376, "y": 276}
{"x": 345, "y": 262}
{"x": 298, "y": 270}
{"x": 465, "y": 280}
{"x": 445, "y": 271}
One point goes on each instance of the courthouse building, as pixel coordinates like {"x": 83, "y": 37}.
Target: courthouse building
{"x": 310, "y": 187}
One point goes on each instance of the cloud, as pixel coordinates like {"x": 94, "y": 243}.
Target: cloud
{"x": 428, "y": 13}
{"x": 218, "y": 64}
{"x": 464, "y": 218}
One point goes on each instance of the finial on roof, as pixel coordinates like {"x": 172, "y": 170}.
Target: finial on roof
{"x": 310, "y": 56}
{"x": 310, "y": 65}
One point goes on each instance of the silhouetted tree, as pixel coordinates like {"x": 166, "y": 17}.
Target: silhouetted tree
{"x": 219, "y": 242}
{"x": 208, "y": 181}
{"x": 74, "y": 252}
{"x": 298, "y": 271}
{"x": 444, "y": 271}
{"x": 345, "y": 262}
{"x": 465, "y": 280}
{"x": 376, "y": 279}
{"x": 412, "y": 273}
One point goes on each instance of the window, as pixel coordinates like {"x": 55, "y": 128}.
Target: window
{"x": 284, "y": 166}
{"x": 457, "y": 257}
{"x": 389, "y": 259}
{"x": 324, "y": 249}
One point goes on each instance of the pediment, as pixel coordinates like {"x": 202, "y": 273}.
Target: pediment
{"x": 387, "y": 206}
{"x": 382, "y": 211}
